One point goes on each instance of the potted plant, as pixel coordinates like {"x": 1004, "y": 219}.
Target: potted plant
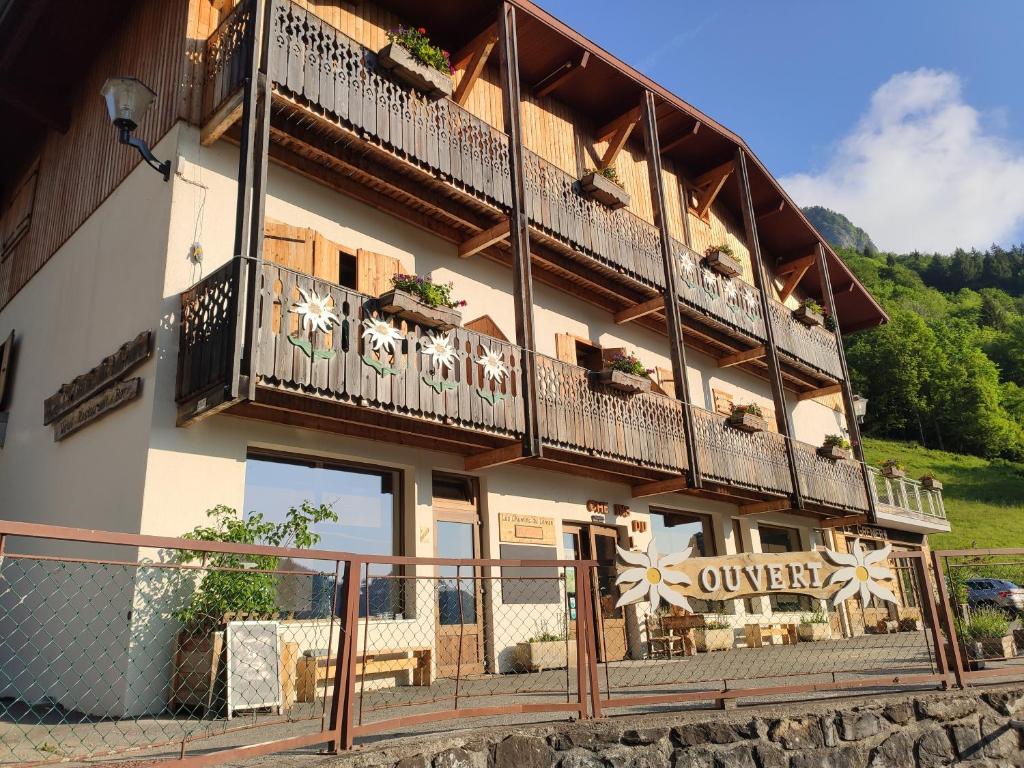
{"x": 420, "y": 300}
{"x": 930, "y": 483}
{"x": 748, "y": 418}
{"x": 893, "y": 469}
{"x": 626, "y": 374}
{"x": 720, "y": 259}
{"x": 835, "y": 447}
{"x": 986, "y": 631}
{"x": 910, "y": 624}
{"x": 604, "y": 186}
{"x": 413, "y": 59}
{"x": 809, "y": 313}
{"x": 815, "y": 627}
{"x": 715, "y": 635}
{"x": 231, "y": 586}
{"x": 545, "y": 650}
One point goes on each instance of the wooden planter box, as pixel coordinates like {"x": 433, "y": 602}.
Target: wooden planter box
{"x": 604, "y": 190}
{"x": 414, "y": 73}
{"x": 998, "y": 648}
{"x": 197, "y": 682}
{"x": 537, "y": 657}
{"x": 808, "y": 316}
{"x": 747, "y": 422}
{"x": 624, "y": 382}
{"x": 408, "y": 307}
{"x": 813, "y": 633}
{"x": 931, "y": 484}
{"x": 723, "y": 264}
{"x": 708, "y": 640}
{"x": 833, "y": 452}
{"x": 893, "y": 473}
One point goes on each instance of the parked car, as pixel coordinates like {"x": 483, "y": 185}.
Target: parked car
{"x": 996, "y": 593}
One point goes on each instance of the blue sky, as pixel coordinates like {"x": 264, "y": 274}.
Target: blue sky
{"x": 797, "y": 79}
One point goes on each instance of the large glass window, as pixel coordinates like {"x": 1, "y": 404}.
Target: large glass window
{"x": 366, "y": 502}
{"x": 675, "y": 531}
{"x": 783, "y": 540}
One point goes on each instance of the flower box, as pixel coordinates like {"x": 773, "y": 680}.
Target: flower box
{"x": 808, "y": 317}
{"x": 598, "y": 187}
{"x": 748, "y": 422}
{"x": 931, "y": 484}
{"x": 408, "y": 307}
{"x": 894, "y": 473}
{"x": 723, "y": 264}
{"x": 197, "y": 681}
{"x": 414, "y": 73}
{"x": 998, "y": 648}
{"x": 622, "y": 381}
{"x": 708, "y": 640}
{"x": 833, "y": 452}
{"x": 813, "y": 633}
{"x": 551, "y": 654}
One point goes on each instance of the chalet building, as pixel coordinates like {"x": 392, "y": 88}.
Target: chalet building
{"x": 231, "y": 334}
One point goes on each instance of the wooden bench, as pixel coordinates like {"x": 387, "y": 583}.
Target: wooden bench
{"x": 756, "y": 634}
{"x": 315, "y": 672}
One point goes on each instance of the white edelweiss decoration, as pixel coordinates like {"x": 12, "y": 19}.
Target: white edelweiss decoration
{"x": 709, "y": 279}
{"x": 687, "y": 265}
{"x": 381, "y": 334}
{"x": 650, "y": 579}
{"x": 860, "y": 573}
{"x": 314, "y": 312}
{"x": 439, "y": 348}
{"x": 730, "y": 292}
{"x": 494, "y": 368}
{"x": 750, "y": 298}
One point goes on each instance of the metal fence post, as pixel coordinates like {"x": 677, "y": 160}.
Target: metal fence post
{"x": 587, "y": 630}
{"x": 948, "y": 618}
{"x": 344, "y": 672}
{"x": 928, "y": 595}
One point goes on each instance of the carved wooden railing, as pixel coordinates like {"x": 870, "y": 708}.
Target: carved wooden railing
{"x": 907, "y": 496}
{"x": 578, "y": 415}
{"x": 815, "y": 346}
{"x": 206, "y": 340}
{"x": 836, "y": 484}
{"x": 749, "y": 460}
{"x": 225, "y": 58}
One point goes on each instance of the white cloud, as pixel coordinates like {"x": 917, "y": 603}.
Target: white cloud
{"x": 921, "y": 171}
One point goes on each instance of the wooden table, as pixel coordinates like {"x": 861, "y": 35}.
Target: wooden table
{"x": 756, "y": 634}
{"x": 315, "y": 672}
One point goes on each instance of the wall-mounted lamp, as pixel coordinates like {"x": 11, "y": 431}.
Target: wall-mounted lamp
{"x": 127, "y": 100}
{"x": 860, "y": 408}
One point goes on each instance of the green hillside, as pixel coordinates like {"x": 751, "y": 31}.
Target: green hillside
{"x": 984, "y": 498}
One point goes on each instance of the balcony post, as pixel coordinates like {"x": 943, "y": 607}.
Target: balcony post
{"x": 519, "y": 233}
{"x": 852, "y": 427}
{"x": 252, "y": 193}
{"x": 761, "y": 282}
{"x": 677, "y": 346}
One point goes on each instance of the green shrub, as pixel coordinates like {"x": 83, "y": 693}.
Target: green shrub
{"x": 837, "y": 441}
{"x": 818, "y": 617}
{"x": 983, "y": 624}
{"x": 416, "y": 42}
{"x": 630, "y": 364}
{"x": 752, "y": 408}
{"x": 722, "y": 248}
{"x": 430, "y": 293}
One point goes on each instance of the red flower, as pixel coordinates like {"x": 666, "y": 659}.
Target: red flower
{"x": 422, "y": 30}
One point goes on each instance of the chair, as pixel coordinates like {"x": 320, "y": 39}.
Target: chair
{"x": 683, "y": 625}
{"x": 662, "y": 642}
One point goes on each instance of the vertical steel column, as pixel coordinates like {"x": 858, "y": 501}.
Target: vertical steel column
{"x": 782, "y": 420}
{"x": 677, "y": 345}
{"x": 851, "y": 418}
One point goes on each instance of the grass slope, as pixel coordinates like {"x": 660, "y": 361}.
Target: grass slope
{"x": 984, "y": 499}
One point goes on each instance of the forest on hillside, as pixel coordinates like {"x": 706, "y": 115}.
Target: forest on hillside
{"x": 948, "y": 369}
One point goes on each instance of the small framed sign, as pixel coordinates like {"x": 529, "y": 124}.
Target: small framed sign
{"x": 254, "y": 666}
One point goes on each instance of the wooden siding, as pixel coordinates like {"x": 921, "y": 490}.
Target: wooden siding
{"x": 80, "y": 168}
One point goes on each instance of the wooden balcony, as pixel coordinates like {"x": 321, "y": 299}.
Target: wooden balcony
{"x": 340, "y": 118}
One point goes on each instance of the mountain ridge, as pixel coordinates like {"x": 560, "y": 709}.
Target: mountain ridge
{"x": 839, "y": 230}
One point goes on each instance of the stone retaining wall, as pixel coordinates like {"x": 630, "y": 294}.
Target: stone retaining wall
{"x": 976, "y": 727}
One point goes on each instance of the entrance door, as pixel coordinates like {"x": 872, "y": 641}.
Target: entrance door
{"x": 610, "y": 621}
{"x": 460, "y": 629}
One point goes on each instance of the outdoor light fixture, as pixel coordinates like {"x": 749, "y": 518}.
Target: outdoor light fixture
{"x": 860, "y": 408}
{"x": 127, "y": 100}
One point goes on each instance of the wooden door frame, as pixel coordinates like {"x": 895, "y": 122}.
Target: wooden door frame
{"x": 596, "y": 597}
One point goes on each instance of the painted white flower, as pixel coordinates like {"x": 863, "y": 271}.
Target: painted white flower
{"x": 686, "y": 264}
{"x": 381, "y": 334}
{"x": 650, "y": 579}
{"x": 314, "y": 312}
{"x": 494, "y": 368}
{"x": 730, "y": 292}
{"x": 860, "y": 573}
{"x": 710, "y": 283}
{"x": 439, "y": 348}
{"x": 750, "y": 298}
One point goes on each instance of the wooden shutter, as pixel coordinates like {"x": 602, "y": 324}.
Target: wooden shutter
{"x": 6, "y": 350}
{"x": 326, "y": 259}
{"x": 722, "y": 402}
{"x": 485, "y": 325}
{"x": 375, "y": 272}
{"x": 289, "y": 246}
{"x": 17, "y": 214}
{"x": 665, "y": 382}
{"x": 769, "y": 415}
{"x": 565, "y": 348}
{"x": 610, "y": 353}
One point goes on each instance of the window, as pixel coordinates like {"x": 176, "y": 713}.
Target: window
{"x": 366, "y": 501}
{"x": 783, "y": 540}
{"x": 675, "y": 531}
{"x": 589, "y": 356}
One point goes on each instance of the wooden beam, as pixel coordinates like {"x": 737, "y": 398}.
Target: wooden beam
{"x": 709, "y": 184}
{"x": 474, "y": 62}
{"x": 639, "y": 310}
{"x": 484, "y": 239}
{"x": 795, "y": 275}
{"x": 678, "y": 142}
{"x": 504, "y": 455}
{"x": 760, "y": 507}
{"x": 767, "y": 213}
{"x": 842, "y": 522}
{"x": 831, "y": 389}
{"x": 672, "y": 485}
{"x": 742, "y": 357}
{"x": 632, "y": 117}
{"x": 465, "y": 55}
{"x": 560, "y": 75}
{"x": 794, "y": 265}
{"x": 615, "y": 145}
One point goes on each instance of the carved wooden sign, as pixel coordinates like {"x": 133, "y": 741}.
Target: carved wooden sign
{"x": 526, "y": 529}
{"x": 596, "y": 507}
{"x": 113, "y": 367}
{"x": 84, "y": 414}
{"x": 819, "y": 574}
